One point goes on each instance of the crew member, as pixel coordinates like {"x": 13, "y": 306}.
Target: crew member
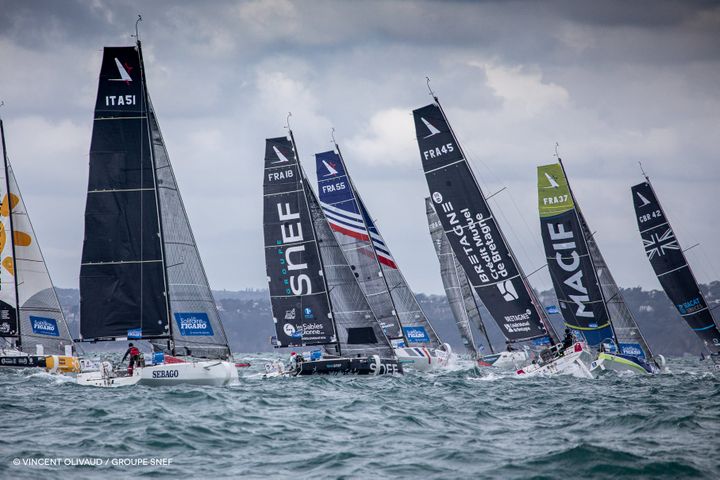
{"x": 568, "y": 340}
{"x": 134, "y": 354}
{"x": 510, "y": 348}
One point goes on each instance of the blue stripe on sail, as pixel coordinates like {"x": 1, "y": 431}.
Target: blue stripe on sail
{"x": 704, "y": 328}
{"x": 345, "y": 212}
{"x": 381, "y": 249}
{"x": 344, "y": 223}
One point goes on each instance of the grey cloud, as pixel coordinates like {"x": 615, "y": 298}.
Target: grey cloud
{"x": 613, "y": 82}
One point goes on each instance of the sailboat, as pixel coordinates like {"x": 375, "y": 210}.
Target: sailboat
{"x": 482, "y": 250}
{"x": 671, "y": 267}
{"x": 461, "y": 298}
{"x": 414, "y": 340}
{"x": 141, "y": 276}
{"x": 590, "y": 300}
{"x": 33, "y": 330}
{"x": 314, "y": 293}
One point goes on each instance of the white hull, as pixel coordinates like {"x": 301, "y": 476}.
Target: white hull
{"x": 205, "y": 372}
{"x": 505, "y": 360}
{"x": 576, "y": 362}
{"x": 424, "y": 359}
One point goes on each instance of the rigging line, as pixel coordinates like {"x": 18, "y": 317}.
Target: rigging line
{"x": 471, "y": 158}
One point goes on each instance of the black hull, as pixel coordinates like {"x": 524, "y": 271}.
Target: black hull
{"x": 350, "y": 366}
{"x": 22, "y": 361}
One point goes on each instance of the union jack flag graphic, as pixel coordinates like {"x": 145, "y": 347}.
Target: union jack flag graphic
{"x": 657, "y": 244}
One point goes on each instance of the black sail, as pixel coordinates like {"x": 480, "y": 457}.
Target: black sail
{"x": 671, "y": 267}
{"x": 298, "y": 294}
{"x": 122, "y": 277}
{"x": 473, "y": 232}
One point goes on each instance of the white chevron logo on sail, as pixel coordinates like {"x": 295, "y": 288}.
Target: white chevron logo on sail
{"x": 657, "y": 244}
{"x": 124, "y": 75}
{"x": 330, "y": 169}
{"x": 643, "y": 199}
{"x": 553, "y": 183}
{"x": 433, "y": 130}
{"x": 507, "y": 290}
{"x": 282, "y": 158}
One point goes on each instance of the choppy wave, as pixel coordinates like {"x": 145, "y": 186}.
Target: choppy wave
{"x": 461, "y": 423}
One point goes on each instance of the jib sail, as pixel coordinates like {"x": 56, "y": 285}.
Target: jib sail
{"x": 457, "y": 288}
{"x": 197, "y": 329}
{"x": 571, "y": 268}
{"x": 474, "y": 235}
{"x": 671, "y": 267}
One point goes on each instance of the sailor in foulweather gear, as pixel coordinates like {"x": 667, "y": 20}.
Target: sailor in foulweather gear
{"x": 510, "y": 348}
{"x": 295, "y": 360}
{"x": 568, "y": 340}
{"x": 134, "y": 354}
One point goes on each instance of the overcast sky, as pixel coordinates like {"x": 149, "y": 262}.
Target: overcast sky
{"x": 613, "y": 82}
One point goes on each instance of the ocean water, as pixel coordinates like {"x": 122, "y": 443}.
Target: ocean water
{"x": 463, "y": 423}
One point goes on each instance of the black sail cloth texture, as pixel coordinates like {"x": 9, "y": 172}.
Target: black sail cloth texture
{"x": 300, "y": 304}
{"x": 122, "y": 276}
{"x": 472, "y": 231}
{"x": 671, "y": 267}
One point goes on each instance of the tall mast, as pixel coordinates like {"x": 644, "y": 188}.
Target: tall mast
{"x": 18, "y": 342}
{"x": 303, "y": 178}
{"x": 146, "y": 100}
{"x": 533, "y": 298}
{"x": 356, "y": 195}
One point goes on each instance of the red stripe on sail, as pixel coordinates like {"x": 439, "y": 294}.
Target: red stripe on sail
{"x": 347, "y": 232}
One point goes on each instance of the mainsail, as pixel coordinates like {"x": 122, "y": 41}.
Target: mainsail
{"x": 30, "y": 313}
{"x": 308, "y": 273}
{"x": 141, "y": 275}
{"x": 298, "y": 293}
{"x": 346, "y": 219}
{"x": 671, "y": 267}
{"x": 571, "y": 267}
{"x": 475, "y": 236}
{"x": 457, "y": 287}
{"x": 366, "y": 250}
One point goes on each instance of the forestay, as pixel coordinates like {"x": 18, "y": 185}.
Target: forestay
{"x": 671, "y": 267}
{"x": 474, "y": 235}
